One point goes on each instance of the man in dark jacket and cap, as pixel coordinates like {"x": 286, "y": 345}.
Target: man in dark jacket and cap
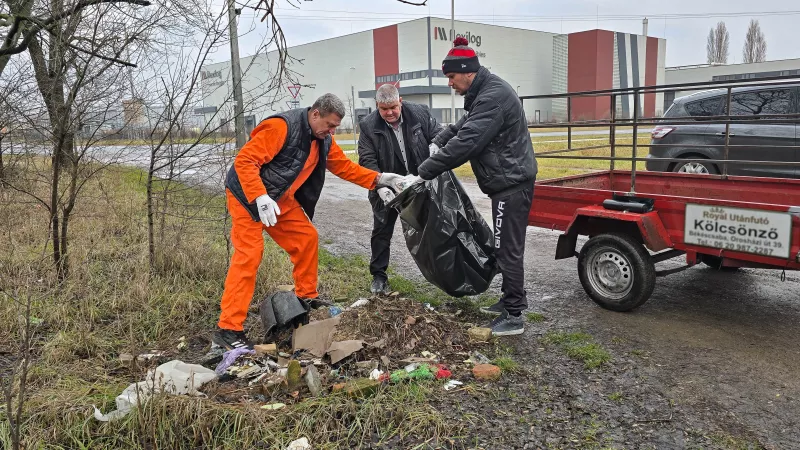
{"x": 493, "y": 136}
{"x": 395, "y": 138}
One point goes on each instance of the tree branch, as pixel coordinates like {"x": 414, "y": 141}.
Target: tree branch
{"x": 40, "y": 23}
{"x": 422, "y": 3}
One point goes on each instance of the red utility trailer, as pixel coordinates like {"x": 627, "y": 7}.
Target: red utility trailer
{"x": 635, "y": 219}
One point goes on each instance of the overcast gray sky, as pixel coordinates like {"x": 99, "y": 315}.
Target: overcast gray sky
{"x": 686, "y": 37}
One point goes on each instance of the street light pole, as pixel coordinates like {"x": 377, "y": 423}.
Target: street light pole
{"x": 353, "y": 106}
{"x": 452, "y": 38}
{"x": 236, "y": 74}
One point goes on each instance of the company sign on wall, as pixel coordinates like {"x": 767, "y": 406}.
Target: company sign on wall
{"x": 212, "y": 79}
{"x": 441, "y": 34}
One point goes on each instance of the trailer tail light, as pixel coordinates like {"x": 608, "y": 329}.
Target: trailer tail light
{"x": 661, "y": 132}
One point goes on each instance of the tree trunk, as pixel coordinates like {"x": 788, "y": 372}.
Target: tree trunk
{"x": 54, "y": 219}
{"x": 2, "y": 168}
{"x": 151, "y": 245}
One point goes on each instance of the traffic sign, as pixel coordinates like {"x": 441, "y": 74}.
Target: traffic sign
{"x": 294, "y": 90}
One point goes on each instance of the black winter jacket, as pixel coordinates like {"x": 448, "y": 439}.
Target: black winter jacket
{"x": 378, "y": 148}
{"x": 493, "y": 136}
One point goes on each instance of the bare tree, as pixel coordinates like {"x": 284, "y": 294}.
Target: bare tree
{"x": 755, "y": 45}
{"x": 22, "y": 25}
{"x": 14, "y": 378}
{"x": 78, "y": 67}
{"x": 718, "y": 43}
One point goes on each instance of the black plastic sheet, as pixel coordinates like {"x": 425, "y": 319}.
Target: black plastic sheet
{"x": 448, "y": 239}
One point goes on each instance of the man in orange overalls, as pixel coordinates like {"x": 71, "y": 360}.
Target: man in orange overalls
{"x": 273, "y": 186}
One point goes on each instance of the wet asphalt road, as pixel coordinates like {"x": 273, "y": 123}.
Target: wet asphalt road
{"x": 721, "y": 344}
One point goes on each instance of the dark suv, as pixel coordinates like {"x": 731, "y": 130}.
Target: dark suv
{"x": 755, "y": 141}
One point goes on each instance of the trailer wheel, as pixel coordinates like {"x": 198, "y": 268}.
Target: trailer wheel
{"x": 616, "y": 271}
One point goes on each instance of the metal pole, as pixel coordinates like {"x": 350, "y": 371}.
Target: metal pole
{"x": 613, "y": 131}
{"x": 236, "y": 74}
{"x": 569, "y": 123}
{"x": 635, "y": 139}
{"x": 644, "y": 27}
{"x": 727, "y": 134}
{"x": 452, "y": 38}
{"x": 353, "y": 96}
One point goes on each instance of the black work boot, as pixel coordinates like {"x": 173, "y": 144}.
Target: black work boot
{"x": 229, "y": 339}
{"x": 380, "y": 286}
{"x": 507, "y": 325}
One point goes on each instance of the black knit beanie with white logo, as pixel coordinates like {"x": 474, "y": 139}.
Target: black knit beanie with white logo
{"x": 461, "y": 58}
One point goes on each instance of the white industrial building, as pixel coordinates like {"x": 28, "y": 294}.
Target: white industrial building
{"x": 410, "y": 54}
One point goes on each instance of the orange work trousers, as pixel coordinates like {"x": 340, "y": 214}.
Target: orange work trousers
{"x": 294, "y": 233}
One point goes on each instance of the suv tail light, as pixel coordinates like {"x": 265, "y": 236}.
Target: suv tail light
{"x": 660, "y": 132}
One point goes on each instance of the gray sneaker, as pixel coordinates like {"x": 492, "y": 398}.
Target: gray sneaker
{"x": 494, "y": 310}
{"x": 507, "y": 325}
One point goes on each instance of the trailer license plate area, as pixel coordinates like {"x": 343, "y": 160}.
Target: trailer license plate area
{"x": 743, "y": 230}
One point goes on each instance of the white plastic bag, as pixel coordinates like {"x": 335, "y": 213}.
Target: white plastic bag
{"x": 174, "y": 377}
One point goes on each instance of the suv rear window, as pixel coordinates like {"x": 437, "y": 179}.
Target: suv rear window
{"x": 776, "y": 101}
{"x": 704, "y": 108}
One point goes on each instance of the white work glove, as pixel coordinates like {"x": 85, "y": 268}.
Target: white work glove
{"x": 385, "y": 194}
{"x": 268, "y": 210}
{"x": 434, "y": 149}
{"x": 408, "y": 181}
{"x": 388, "y": 180}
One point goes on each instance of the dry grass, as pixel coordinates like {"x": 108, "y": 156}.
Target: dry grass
{"x": 113, "y": 304}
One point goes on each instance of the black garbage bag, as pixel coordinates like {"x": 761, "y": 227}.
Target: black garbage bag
{"x": 448, "y": 239}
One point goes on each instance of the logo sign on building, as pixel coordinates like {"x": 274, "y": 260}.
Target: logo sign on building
{"x": 207, "y": 74}
{"x": 440, "y": 33}
{"x": 741, "y": 230}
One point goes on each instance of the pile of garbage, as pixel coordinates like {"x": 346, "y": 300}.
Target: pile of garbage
{"x": 355, "y": 349}
{"x": 350, "y": 349}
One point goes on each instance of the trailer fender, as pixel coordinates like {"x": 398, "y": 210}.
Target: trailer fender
{"x": 646, "y": 228}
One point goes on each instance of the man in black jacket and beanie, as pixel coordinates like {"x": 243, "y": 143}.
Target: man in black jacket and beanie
{"x": 493, "y": 136}
{"x": 394, "y": 138}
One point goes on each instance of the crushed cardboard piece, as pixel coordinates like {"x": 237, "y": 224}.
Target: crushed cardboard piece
{"x": 251, "y": 372}
{"x": 342, "y": 349}
{"x": 265, "y": 349}
{"x": 316, "y": 337}
{"x": 480, "y": 334}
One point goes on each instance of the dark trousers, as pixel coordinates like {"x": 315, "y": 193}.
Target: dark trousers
{"x": 383, "y": 220}
{"x": 510, "y": 216}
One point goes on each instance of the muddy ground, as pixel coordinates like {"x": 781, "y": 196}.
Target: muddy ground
{"x": 709, "y": 362}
